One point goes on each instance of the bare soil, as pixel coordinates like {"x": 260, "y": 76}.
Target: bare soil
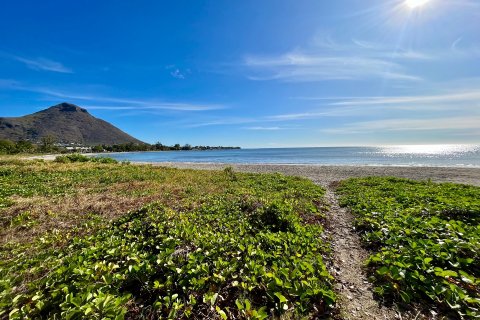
{"x": 356, "y": 299}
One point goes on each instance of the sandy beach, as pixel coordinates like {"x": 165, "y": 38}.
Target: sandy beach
{"x": 324, "y": 175}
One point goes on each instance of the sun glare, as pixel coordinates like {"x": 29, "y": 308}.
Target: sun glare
{"x": 412, "y": 4}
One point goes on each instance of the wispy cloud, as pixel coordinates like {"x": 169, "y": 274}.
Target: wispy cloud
{"x": 114, "y": 103}
{"x": 411, "y": 55}
{"x": 43, "y": 64}
{"x": 445, "y": 123}
{"x": 264, "y": 128}
{"x": 378, "y": 50}
{"x": 296, "y": 116}
{"x": 177, "y": 74}
{"x": 324, "y": 113}
{"x": 464, "y": 49}
{"x": 301, "y": 67}
{"x": 225, "y": 121}
{"x": 146, "y": 105}
{"x": 367, "y": 44}
{"x": 101, "y": 102}
{"x": 446, "y": 98}
{"x": 460, "y": 101}
{"x": 455, "y": 44}
{"x": 326, "y": 60}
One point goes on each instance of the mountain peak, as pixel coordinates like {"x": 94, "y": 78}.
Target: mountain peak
{"x": 68, "y": 107}
{"x": 66, "y": 123}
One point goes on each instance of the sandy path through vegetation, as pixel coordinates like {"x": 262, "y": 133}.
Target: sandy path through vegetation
{"x": 355, "y": 293}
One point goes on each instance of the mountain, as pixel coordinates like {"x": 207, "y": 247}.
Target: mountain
{"x": 66, "y": 123}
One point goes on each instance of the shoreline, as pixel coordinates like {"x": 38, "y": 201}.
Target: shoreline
{"x": 226, "y": 164}
{"x": 51, "y": 157}
{"x": 326, "y": 174}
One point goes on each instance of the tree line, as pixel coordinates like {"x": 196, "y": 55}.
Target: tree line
{"x": 49, "y": 145}
{"x": 23, "y": 146}
{"x": 153, "y": 147}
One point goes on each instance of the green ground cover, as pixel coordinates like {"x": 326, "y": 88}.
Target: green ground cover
{"x": 424, "y": 240}
{"x": 193, "y": 245}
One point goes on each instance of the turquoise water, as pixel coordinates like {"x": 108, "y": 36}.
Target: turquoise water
{"x": 425, "y": 155}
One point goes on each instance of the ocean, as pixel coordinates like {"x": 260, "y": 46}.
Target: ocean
{"x": 411, "y": 155}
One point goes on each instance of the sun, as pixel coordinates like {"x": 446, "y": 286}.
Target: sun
{"x": 412, "y": 4}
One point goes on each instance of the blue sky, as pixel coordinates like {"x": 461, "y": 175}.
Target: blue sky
{"x": 268, "y": 73}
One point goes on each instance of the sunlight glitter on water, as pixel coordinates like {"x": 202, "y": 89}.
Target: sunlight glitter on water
{"x": 433, "y": 149}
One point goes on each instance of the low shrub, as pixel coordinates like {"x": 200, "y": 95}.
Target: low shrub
{"x": 76, "y": 157}
{"x": 424, "y": 237}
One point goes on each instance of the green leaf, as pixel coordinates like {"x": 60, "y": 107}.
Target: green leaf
{"x": 13, "y": 312}
{"x": 247, "y": 305}
{"x": 213, "y": 299}
{"x": 221, "y": 313}
{"x": 239, "y": 304}
{"x": 405, "y": 296}
{"x": 280, "y": 297}
{"x": 383, "y": 270}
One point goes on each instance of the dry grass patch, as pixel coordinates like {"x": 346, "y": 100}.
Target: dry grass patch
{"x": 30, "y": 218}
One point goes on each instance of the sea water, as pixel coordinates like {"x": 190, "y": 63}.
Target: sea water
{"x": 405, "y": 155}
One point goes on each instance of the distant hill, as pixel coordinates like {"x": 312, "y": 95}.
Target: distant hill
{"x": 66, "y": 123}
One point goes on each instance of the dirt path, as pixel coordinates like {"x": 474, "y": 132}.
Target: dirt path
{"x": 355, "y": 296}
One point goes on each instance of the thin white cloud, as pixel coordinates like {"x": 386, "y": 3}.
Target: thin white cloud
{"x": 145, "y": 105}
{"x": 131, "y": 104}
{"x": 301, "y": 67}
{"x": 463, "y": 123}
{"x": 465, "y": 50}
{"x": 296, "y": 116}
{"x": 412, "y": 55}
{"x": 220, "y": 122}
{"x": 459, "y": 101}
{"x": 468, "y": 96}
{"x": 325, "y": 59}
{"x": 326, "y": 112}
{"x": 42, "y": 64}
{"x": 177, "y": 74}
{"x": 455, "y": 44}
{"x": 378, "y": 50}
{"x": 367, "y": 44}
{"x": 264, "y": 128}
{"x": 99, "y": 102}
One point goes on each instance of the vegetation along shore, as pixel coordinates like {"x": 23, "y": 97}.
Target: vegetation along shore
{"x": 48, "y": 145}
{"x": 93, "y": 238}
